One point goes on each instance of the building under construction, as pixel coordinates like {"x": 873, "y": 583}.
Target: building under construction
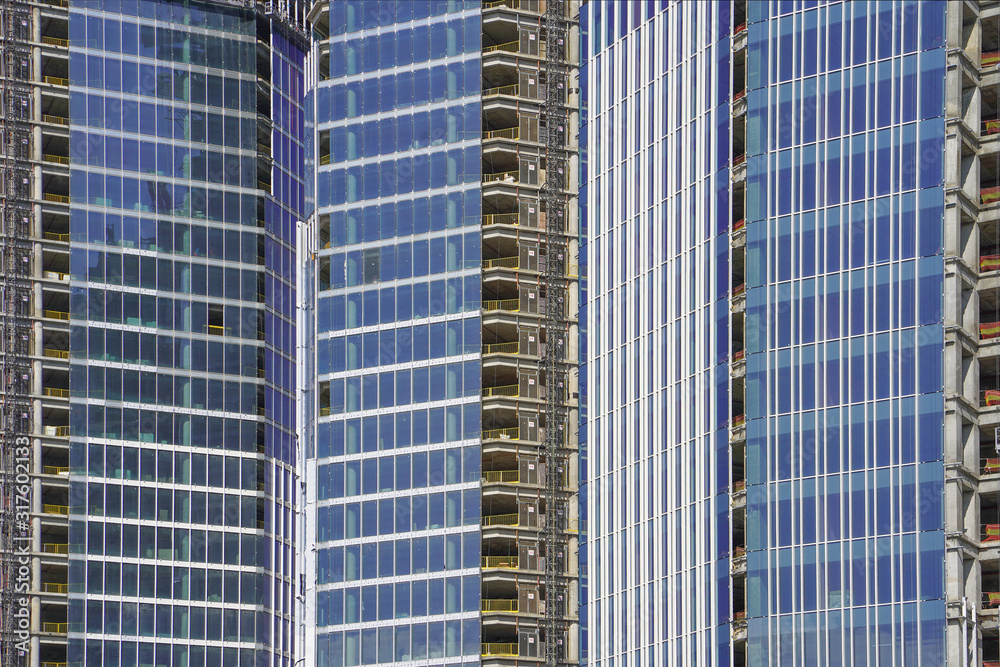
{"x": 35, "y": 238}
{"x": 447, "y": 258}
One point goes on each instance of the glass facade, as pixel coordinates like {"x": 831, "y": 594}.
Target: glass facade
{"x": 845, "y": 270}
{"x": 397, "y": 458}
{"x": 657, "y": 177}
{"x": 780, "y": 167}
{"x": 186, "y": 185}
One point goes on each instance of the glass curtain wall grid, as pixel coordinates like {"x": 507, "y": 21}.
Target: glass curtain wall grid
{"x": 829, "y": 332}
{"x": 35, "y": 97}
{"x": 428, "y": 480}
{"x": 395, "y": 495}
{"x": 658, "y": 178}
{"x": 186, "y": 182}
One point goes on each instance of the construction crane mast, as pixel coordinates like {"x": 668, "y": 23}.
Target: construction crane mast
{"x": 15, "y": 406}
{"x": 554, "y": 194}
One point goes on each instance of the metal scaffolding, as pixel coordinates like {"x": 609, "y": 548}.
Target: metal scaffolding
{"x": 554, "y": 195}
{"x": 15, "y": 292}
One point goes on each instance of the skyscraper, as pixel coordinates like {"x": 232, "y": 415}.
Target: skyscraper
{"x": 792, "y": 393}
{"x": 442, "y": 487}
{"x": 163, "y": 181}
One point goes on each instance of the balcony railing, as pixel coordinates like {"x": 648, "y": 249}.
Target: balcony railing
{"x": 56, "y": 80}
{"x": 55, "y": 470}
{"x": 55, "y": 509}
{"x": 501, "y": 263}
{"x": 496, "y": 649}
{"x": 503, "y": 133}
{"x": 55, "y": 392}
{"x": 506, "y": 562}
{"x": 58, "y": 628}
{"x": 500, "y": 520}
{"x": 501, "y": 177}
{"x": 509, "y": 305}
{"x": 55, "y": 41}
{"x": 500, "y": 348}
{"x": 501, "y": 434}
{"x": 989, "y": 466}
{"x": 502, "y": 219}
{"x": 502, "y": 476}
{"x": 500, "y": 605}
{"x": 50, "y": 587}
{"x": 511, "y": 47}
{"x": 55, "y": 548}
{"x": 52, "y": 236}
{"x": 60, "y": 199}
{"x": 991, "y": 599}
{"x": 56, "y": 120}
{"x": 509, "y": 391}
{"x": 510, "y": 4}
{"x": 513, "y": 89}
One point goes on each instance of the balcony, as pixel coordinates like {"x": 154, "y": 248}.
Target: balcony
{"x": 505, "y": 650}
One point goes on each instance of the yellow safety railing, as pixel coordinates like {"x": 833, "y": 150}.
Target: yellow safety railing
{"x": 500, "y": 348}
{"x": 502, "y": 176}
{"x": 502, "y": 219}
{"x": 58, "y": 120}
{"x": 61, "y": 628}
{"x": 56, "y": 80}
{"x": 500, "y": 605}
{"x": 500, "y": 520}
{"x": 55, "y": 392}
{"x": 505, "y": 133}
{"x": 55, "y": 41}
{"x": 58, "y": 3}
{"x": 324, "y": 412}
{"x": 490, "y": 562}
{"x": 511, "y": 47}
{"x": 513, "y": 305}
{"x": 62, "y": 199}
{"x": 264, "y": 148}
{"x": 501, "y": 263}
{"x": 501, "y": 434}
{"x": 52, "y": 548}
{"x": 52, "y": 236}
{"x": 324, "y": 159}
{"x": 54, "y": 664}
{"x": 56, "y": 354}
{"x": 511, "y": 4}
{"x": 55, "y": 470}
{"x": 55, "y": 588}
{"x": 56, "y": 509}
{"x": 216, "y": 330}
{"x": 494, "y": 648}
{"x": 56, "y": 315}
{"x": 513, "y": 89}
{"x": 505, "y": 390}
{"x": 502, "y": 476}
{"x": 59, "y": 431}
{"x": 56, "y": 275}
